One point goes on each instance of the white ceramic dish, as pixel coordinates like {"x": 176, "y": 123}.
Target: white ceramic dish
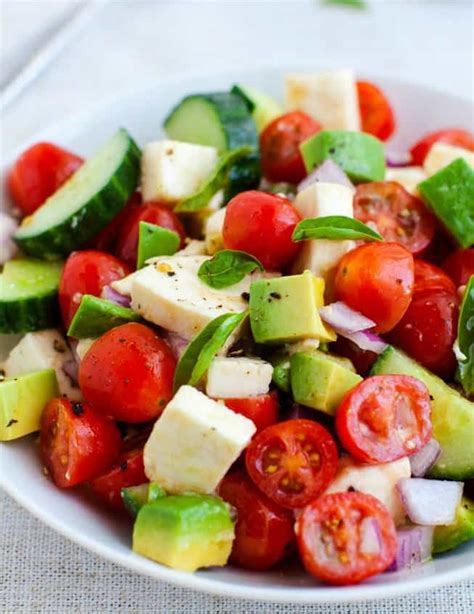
{"x": 419, "y": 110}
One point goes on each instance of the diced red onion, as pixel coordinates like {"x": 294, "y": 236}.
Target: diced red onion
{"x": 424, "y": 459}
{"x": 115, "y": 297}
{"x": 177, "y": 343}
{"x": 344, "y": 319}
{"x": 8, "y": 249}
{"x": 414, "y": 546}
{"x": 370, "y": 541}
{"x": 366, "y": 340}
{"x": 327, "y": 172}
{"x": 430, "y": 502}
{"x": 398, "y": 160}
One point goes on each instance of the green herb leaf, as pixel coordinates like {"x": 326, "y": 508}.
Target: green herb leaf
{"x": 200, "y": 352}
{"x": 154, "y": 241}
{"x": 335, "y": 228}
{"x": 466, "y": 339}
{"x": 227, "y": 268}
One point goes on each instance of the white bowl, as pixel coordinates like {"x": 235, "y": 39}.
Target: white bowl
{"x": 419, "y": 109}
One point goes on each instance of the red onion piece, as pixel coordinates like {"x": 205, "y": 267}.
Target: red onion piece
{"x": 430, "y": 502}
{"x": 344, "y": 319}
{"x": 425, "y": 458}
{"x": 398, "y": 160}
{"x": 115, "y": 297}
{"x": 327, "y": 172}
{"x": 414, "y": 546}
{"x": 8, "y": 249}
{"x": 71, "y": 369}
{"x": 366, "y": 340}
{"x": 176, "y": 343}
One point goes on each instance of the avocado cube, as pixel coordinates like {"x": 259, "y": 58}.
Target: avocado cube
{"x": 450, "y": 194}
{"x": 185, "y": 531}
{"x": 320, "y": 381}
{"x": 135, "y": 497}
{"x": 96, "y": 316}
{"x": 154, "y": 240}
{"x": 22, "y": 400}
{"x": 447, "y": 537}
{"x": 285, "y": 309}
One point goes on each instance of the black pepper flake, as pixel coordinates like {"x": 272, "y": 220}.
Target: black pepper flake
{"x": 122, "y": 340}
{"x": 59, "y": 346}
{"x": 332, "y": 150}
{"x": 245, "y": 296}
{"x": 351, "y": 489}
{"x": 161, "y": 403}
{"x": 399, "y": 281}
{"x": 123, "y": 465}
{"x": 2, "y": 375}
{"x": 275, "y": 295}
{"x": 171, "y": 273}
{"x": 77, "y": 408}
{"x": 126, "y": 381}
{"x": 431, "y": 397}
{"x": 12, "y": 422}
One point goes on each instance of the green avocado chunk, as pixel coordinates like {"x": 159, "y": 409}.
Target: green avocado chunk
{"x": 154, "y": 240}
{"x": 185, "y": 531}
{"x": 361, "y": 156}
{"x": 450, "y": 194}
{"x": 320, "y": 380}
{"x": 96, "y": 316}
{"x": 447, "y": 537}
{"x": 135, "y": 497}
{"x": 22, "y": 400}
{"x": 452, "y": 416}
{"x": 466, "y": 339}
{"x": 281, "y": 370}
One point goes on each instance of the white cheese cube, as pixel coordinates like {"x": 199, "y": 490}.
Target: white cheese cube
{"x": 240, "y": 377}
{"x": 306, "y": 345}
{"x": 194, "y": 442}
{"x": 214, "y": 232}
{"x": 192, "y": 248}
{"x": 43, "y": 349}
{"x": 172, "y": 170}
{"x": 330, "y": 98}
{"x": 408, "y": 177}
{"x": 442, "y": 154}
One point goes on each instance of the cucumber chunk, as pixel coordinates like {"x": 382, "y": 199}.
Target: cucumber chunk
{"x": 264, "y": 109}
{"x": 96, "y": 316}
{"x": 28, "y": 298}
{"x": 85, "y": 203}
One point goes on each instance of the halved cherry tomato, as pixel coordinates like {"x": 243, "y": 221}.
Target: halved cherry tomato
{"x": 76, "y": 443}
{"x": 398, "y": 215}
{"x": 384, "y": 418}
{"x": 430, "y": 277}
{"x": 460, "y": 266}
{"x": 292, "y": 462}
{"x": 38, "y": 173}
{"x": 263, "y": 532}
{"x": 86, "y": 272}
{"x": 344, "y": 538}
{"x": 377, "y": 280}
{"x": 107, "y": 238}
{"x": 280, "y": 146}
{"x": 154, "y": 213}
{"x": 262, "y": 409}
{"x": 375, "y": 111}
{"x": 450, "y": 136}
{"x": 262, "y": 224}
{"x": 128, "y": 373}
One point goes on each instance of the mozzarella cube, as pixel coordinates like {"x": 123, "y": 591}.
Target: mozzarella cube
{"x": 305, "y": 345}
{"x": 192, "y": 248}
{"x": 215, "y": 231}
{"x": 43, "y": 349}
{"x": 442, "y": 154}
{"x": 331, "y": 98}
{"x": 240, "y": 377}
{"x": 408, "y": 177}
{"x": 194, "y": 443}
{"x": 172, "y": 170}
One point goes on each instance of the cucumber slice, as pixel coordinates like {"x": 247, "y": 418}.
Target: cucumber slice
{"x": 28, "y": 300}
{"x": 264, "y": 109}
{"x": 85, "y": 203}
{"x": 154, "y": 241}
{"x": 96, "y": 316}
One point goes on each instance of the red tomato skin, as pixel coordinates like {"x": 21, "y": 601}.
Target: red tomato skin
{"x": 154, "y": 213}
{"x": 430, "y": 277}
{"x": 377, "y": 280}
{"x": 76, "y": 443}
{"x": 334, "y": 519}
{"x": 39, "y": 172}
{"x": 106, "y": 239}
{"x": 279, "y": 146}
{"x": 460, "y": 266}
{"x": 127, "y": 373}
{"x": 86, "y": 272}
{"x": 262, "y": 224}
{"x": 262, "y": 409}
{"x": 451, "y": 136}
{"x": 376, "y": 113}
{"x": 264, "y": 531}
{"x": 128, "y": 470}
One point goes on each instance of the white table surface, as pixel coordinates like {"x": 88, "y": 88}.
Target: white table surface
{"x": 131, "y": 44}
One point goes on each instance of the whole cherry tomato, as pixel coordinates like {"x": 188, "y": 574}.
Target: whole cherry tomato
{"x": 262, "y": 224}
{"x": 430, "y": 277}
{"x": 38, "y": 173}
{"x": 76, "y": 443}
{"x": 128, "y": 373}
{"x": 376, "y": 113}
{"x": 377, "y": 280}
{"x": 460, "y": 266}
{"x": 450, "y": 136}
{"x": 384, "y": 418}
{"x": 86, "y": 272}
{"x": 107, "y": 238}
{"x": 399, "y": 216}
{"x": 346, "y": 537}
{"x": 262, "y": 409}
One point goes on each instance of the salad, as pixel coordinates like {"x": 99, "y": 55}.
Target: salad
{"x": 253, "y": 336}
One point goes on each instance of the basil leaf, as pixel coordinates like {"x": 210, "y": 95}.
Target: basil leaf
{"x": 335, "y": 228}
{"x": 466, "y": 339}
{"x": 227, "y": 268}
{"x": 198, "y": 356}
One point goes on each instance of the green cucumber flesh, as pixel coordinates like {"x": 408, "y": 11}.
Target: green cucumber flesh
{"x": 96, "y": 316}
{"x": 264, "y": 109}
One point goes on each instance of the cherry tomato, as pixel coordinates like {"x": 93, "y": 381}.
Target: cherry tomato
{"x": 399, "y": 216}
{"x": 377, "y": 280}
{"x": 76, "y": 443}
{"x": 262, "y": 224}
{"x": 375, "y": 111}
{"x": 154, "y": 213}
{"x": 86, "y": 272}
{"x": 430, "y": 277}
{"x": 280, "y": 146}
{"x": 38, "y": 173}
{"x": 346, "y": 537}
{"x": 450, "y": 136}
{"x": 127, "y": 471}
{"x": 460, "y": 266}
{"x": 262, "y": 409}
{"x": 128, "y": 373}
{"x": 107, "y": 238}
{"x": 292, "y": 462}
{"x": 384, "y": 418}
{"x": 263, "y": 532}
